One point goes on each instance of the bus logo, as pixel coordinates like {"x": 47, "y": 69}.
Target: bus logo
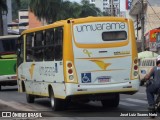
{"x": 85, "y": 51}
{"x": 31, "y": 70}
{"x": 86, "y": 77}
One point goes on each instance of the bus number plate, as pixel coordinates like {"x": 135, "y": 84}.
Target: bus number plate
{"x": 104, "y": 79}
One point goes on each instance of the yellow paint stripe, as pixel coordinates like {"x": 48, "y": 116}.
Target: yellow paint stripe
{"x": 105, "y": 70}
{"x": 101, "y": 64}
{"x": 98, "y": 58}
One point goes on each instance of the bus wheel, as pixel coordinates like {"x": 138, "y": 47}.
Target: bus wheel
{"x": 0, "y": 88}
{"x": 111, "y": 102}
{"x": 30, "y": 98}
{"x": 56, "y": 104}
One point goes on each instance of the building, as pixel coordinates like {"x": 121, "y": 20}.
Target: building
{"x": 150, "y": 12}
{"x": 23, "y": 17}
{"x": 105, "y": 6}
{"x": 27, "y": 20}
{"x": 33, "y": 21}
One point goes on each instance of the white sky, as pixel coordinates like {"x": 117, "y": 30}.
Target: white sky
{"x": 122, "y": 4}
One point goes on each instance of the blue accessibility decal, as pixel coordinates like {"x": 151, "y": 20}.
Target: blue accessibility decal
{"x": 86, "y": 77}
{"x": 143, "y": 71}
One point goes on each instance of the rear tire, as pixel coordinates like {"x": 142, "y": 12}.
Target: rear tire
{"x": 111, "y": 102}
{"x": 56, "y": 104}
{"x": 30, "y": 98}
{"x": 0, "y": 88}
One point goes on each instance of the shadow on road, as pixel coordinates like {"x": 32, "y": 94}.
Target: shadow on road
{"x": 9, "y": 88}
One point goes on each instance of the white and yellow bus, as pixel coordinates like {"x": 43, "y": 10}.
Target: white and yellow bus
{"x": 93, "y": 58}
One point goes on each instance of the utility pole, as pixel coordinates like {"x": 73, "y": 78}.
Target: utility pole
{"x": 112, "y": 13}
{"x": 142, "y": 26}
{"x": 1, "y": 22}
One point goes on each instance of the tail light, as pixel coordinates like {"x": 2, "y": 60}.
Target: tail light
{"x": 135, "y": 68}
{"x": 70, "y": 71}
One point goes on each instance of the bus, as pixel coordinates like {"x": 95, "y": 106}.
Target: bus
{"x": 145, "y": 65}
{"x": 8, "y": 60}
{"x": 84, "y": 59}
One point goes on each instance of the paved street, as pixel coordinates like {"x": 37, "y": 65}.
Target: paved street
{"x": 11, "y": 100}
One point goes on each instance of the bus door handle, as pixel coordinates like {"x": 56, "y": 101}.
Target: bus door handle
{"x": 103, "y": 51}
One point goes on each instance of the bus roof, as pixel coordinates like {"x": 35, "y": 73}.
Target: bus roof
{"x": 77, "y": 20}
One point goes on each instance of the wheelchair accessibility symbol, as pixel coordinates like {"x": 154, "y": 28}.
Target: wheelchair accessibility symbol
{"x": 86, "y": 77}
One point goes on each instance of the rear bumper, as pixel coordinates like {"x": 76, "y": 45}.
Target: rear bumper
{"x": 8, "y": 80}
{"x": 126, "y": 87}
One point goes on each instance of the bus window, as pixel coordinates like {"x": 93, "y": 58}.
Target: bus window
{"x": 58, "y": 43}
{"x": 20, "y": 51}
{"x": 8, "y": 45}
{"x": 38, "y": 46}
{"x": 153, "y": 63}
{"x": 49, "y": 48}
{"x": 114, "y": 35}
{"x": 29, "y": 47}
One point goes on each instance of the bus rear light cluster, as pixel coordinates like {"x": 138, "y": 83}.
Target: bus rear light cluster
{"x": 135, "y": 67}
{"x": 70, "y": 71}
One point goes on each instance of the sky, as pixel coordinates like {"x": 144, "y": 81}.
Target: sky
{"x": 122, "y": 4}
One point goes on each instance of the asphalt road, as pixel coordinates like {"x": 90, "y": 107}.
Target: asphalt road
{"x": 11, "y": 100}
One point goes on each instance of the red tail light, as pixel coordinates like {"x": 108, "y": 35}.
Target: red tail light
{"x": 135, "y": 67}
{"x": 70, "y": 71}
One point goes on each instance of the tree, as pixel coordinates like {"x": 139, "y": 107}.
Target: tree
{"x": 88, "y": 9}
{"x": 48, "y": 10}
{"x": 4, "y": 8}
{"x": 69, "y": 10}
{"x": 53, "y": 10}
{"x": 16, "y": 7}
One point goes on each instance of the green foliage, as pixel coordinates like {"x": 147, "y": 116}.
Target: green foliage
{"x": 3, "y": 6}
{"x": 53, "y": 10}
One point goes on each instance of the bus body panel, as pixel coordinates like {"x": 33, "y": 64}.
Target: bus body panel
{"x": 98, "y": 65}
{"x": 39, "y": 75}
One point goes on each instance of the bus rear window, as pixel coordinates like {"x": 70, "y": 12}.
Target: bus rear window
{"x": 114, "y": 35}
{"x": 100, "y": 32}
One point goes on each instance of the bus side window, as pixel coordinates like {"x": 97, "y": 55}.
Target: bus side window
{"x": 38, "y": 46}
{"x": 154, "y": 63}
{"x": 20, "y": 50}
{"x": 29, "y": 47}
{"x": 143, "y": 63}
{"x": 49, "y": 45}
{"x": 58, "y": 43}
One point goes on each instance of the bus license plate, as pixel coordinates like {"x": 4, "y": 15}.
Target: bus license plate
{"x": 104, "y": 79}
